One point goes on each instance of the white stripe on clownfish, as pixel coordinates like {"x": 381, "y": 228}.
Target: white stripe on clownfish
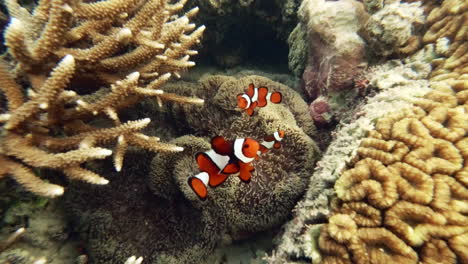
{"x": 268, "y": 144}
{"x": 268, "y": 96}
{"x": 247, "y": 98}
{"x": 277, "y": 136}
{"x": 255, "y": 95}
{"x": 238, "y": 143}
{"x": 204, "y": 177}
{"x": 219, "y": 160}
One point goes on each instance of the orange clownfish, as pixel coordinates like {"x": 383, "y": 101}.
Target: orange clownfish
{"x": 271, "y": 141}
{"x": 257, "y": 97}
{"x": 224, "y": 158}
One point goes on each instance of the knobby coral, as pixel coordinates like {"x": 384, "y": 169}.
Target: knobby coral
{"x": 81, "y": 63}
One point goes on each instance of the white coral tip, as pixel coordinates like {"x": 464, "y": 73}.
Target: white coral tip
{"x": 15, "y": 23}
{"x": 104, "y": 152}
{"x": 56, "y": 191}
{"x": 68, "y": 59}
{"x": 123, "y": 34}
{"x": 43, "y": 105}
{"x": 133, "y": 76}
{"x": 69, "y": 93}
{"x": 40, "y": 261}
{"x": 146, "y": 121}
{"x": 20, "y": 231}
{"x": 102, "y": 181}
{"x": 165, "y": 76}
{"x": 67, "y": 8}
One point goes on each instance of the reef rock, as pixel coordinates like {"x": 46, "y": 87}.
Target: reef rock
{"x": 336, "y": 51}
{"x": 391, "y": 29}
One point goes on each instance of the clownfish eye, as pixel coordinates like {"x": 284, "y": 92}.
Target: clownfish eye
{"x": 246, "y": 145}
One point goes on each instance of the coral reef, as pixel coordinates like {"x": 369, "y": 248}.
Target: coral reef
{"x": 398, "y": 85}
{"x": 401, "y": 195}
{"x": 81, "y": 63}
{"x": 407, "y": 190}
{"x": 278, "y": 180}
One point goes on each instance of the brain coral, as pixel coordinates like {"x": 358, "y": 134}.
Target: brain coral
{"x": 405, "y": 199}
{"x": 280, "y": 176}
{"x": 407, "y": 194}
{"x": 403, "y": 196}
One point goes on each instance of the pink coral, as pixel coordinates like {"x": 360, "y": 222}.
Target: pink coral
{"x": 319, "y": 110}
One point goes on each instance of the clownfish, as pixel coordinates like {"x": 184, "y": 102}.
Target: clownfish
{"x": 257, "y": 97}
{"x": 224, "y": 158}
{"x": 271, "y": 141}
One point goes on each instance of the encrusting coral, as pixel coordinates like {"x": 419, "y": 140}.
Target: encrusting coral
{"x": 83, "y": 62}
{"x": 391, "y": 29}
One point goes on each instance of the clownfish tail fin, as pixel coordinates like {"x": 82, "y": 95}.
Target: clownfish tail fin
{"x": 276, "y": 97}
{"x": 198, "y": 183}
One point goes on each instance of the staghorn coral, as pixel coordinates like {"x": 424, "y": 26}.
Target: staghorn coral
{"x": 127, "y": 49}
{"x": 279, "y": 175}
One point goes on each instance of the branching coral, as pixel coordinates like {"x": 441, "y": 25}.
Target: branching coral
{"x": 132, "y": 46}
